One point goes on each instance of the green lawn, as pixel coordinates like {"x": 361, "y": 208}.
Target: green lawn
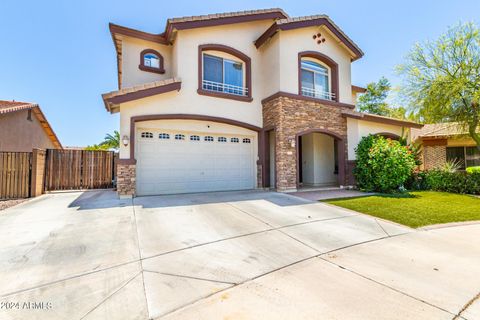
{"x": 416, "y": 209}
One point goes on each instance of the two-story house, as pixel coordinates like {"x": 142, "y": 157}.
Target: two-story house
{"x": 239, "y": 100}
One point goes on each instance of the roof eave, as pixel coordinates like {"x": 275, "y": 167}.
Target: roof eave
{"x": 324, "y": 21}
{"x": 379, "y": 119}
{"x": 112, "y": 101}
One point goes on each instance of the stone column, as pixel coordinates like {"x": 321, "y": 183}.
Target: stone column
{"x": 126, "y": 178}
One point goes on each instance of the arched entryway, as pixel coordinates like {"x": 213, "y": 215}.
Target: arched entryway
{"x": 320, "y": 158}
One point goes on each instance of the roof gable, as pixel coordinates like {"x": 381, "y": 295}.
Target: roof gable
{"x": 14, "y": 106}
{"x": 309, "y": 21}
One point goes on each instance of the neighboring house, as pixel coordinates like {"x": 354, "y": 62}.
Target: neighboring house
{"x": 442, "y": 142}
{"x": 240, "y": 100}
{"x": 23, "y": 127}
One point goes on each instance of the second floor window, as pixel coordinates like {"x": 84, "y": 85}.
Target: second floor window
{"x": 151, "y": 60}
{"x": 223, "y": 75}
{"x": 315, "y": 80}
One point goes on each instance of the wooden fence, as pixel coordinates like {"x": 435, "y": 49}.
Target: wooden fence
{"x": 15, "y": 173}
{"x": 79, "y": 169}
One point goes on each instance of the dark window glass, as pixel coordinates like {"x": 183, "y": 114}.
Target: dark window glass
{"x": 456, "y": 154}
{"x": 335, "y": 156}
{"x": 473, "y": 157}
{"x": 308, "y": 82}
{"x": 212, "y": 68}
{"x": 233, "y": 76}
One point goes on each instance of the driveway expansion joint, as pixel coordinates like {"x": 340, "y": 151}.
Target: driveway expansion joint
{"x": 386, "y": 286}
{"x": 188, "y": 277}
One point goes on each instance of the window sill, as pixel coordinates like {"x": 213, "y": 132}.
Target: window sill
{"x": 224, "y": 95}
{"x": 150, "y": 69}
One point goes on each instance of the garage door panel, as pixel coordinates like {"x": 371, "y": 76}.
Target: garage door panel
{"x": 166, "y": 166}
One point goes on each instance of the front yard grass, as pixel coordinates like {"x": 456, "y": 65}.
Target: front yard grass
{"x": 416, "y": 209}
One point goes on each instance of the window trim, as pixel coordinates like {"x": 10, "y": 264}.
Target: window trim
{"x": 143, "y": 67}
{"x": 234, "y": 52}
{"x": 330, "y": 63}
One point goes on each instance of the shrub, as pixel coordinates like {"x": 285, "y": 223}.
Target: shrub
{"x": 383, "y": 165}
{"x": 473, "y": 169}
{"x": 456, "y": 182}
{"x": 417, "y": 181}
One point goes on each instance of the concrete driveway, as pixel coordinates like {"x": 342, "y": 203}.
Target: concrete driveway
{"x": 234, "y": 255}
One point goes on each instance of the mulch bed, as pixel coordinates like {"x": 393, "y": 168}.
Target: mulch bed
{"x": 4, "y": 204}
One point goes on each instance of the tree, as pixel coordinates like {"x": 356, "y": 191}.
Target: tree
{"x": 374, "y": 101}
{"x": 442, "y": 78}
{"x": 382, "y": 165}
{"x": 109, "y": 142}
{"x": 112, "y": 141}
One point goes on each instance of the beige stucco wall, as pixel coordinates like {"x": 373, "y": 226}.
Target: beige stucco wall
{"x": 185, "y": 61}
{"x": 294, "y": 41}
{"x": 131, "y": 74}
{"x": 274, "y": 68}
{"x": 19, "y": 134}
{"x": 357, "y": 129}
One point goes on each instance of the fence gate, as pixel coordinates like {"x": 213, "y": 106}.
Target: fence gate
{"x": 79, "y": 169}
{"x": 15, "y": 171}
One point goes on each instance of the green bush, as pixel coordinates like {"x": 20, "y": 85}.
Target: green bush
{"x": 383, "y": 165}
{"x": 455, "y": 182}
{"x": 473, "y": 169}
{"x": 417, "y": 181}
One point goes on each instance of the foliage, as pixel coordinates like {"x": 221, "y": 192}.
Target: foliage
{"x": 442, "y": 78}
{"x": 109, "y": 142}
{"x": 451, "y": 166}
{"x": 374, "y": 100}
{"x": 417, "y": 181}
{"x": 97, "y": 147}
{"x": 382, "y": 164}
{"x": 473, "y": 169}
{"x": 414, "y": 148}
{"x": 416, "y": 209}
{"x": 112, "y": 141}
{"x": 456, "y": 182}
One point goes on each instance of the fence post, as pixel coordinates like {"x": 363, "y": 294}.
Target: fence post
{"x": 38, "y": 172}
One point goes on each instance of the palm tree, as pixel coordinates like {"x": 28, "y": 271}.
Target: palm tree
{"x": 111, "y": 141}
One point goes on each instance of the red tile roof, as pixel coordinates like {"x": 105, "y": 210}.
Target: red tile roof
{"x": 7, "y": 106}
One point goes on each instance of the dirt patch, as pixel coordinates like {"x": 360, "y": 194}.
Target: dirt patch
{"x": 4, "y": 204}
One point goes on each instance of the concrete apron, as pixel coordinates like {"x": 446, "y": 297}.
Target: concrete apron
{"x": 227, "y": 255}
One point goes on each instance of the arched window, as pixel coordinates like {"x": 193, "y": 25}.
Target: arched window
{"x": 151, "y": 61}
{"x": 318, "y": 76}
{"x": 224, "y": 72}
{"x": 315, "y": 79}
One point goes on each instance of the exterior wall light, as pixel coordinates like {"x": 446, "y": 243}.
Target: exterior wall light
{"x": 292, "y": 143}
{"x": 125, "y": 140}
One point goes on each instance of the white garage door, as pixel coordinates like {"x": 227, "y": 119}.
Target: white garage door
{"x": 183, "y": 162}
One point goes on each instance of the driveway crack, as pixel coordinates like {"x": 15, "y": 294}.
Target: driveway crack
{"x": 111, "y": 295}
{"x": 466, "y": 306}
